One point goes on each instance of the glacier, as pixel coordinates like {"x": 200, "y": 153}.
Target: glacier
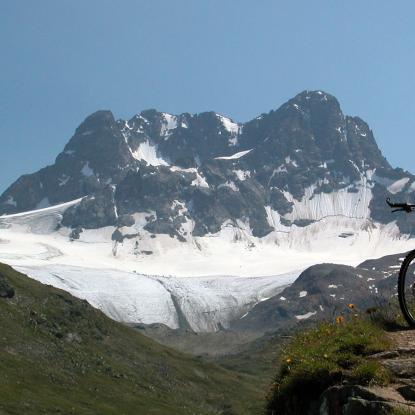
{"x": 204, "y": 282}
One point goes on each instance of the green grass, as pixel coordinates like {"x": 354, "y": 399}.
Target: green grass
{"x": 323, "y": 356}
{"x": 61, "y": 356}
{"x": 402, "y": 411}
{"x": 387, "y": 315}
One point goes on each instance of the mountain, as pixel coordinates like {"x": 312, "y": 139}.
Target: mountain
{"x": 131, "y": 209}
{"x": 60, "y": 355}
{"x": 326, "y": 290}
{"x": 193, "y": 174}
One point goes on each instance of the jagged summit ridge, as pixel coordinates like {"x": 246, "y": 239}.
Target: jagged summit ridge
{"x": 193, "y": 173}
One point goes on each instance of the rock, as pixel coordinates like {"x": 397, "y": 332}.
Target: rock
{"x": 94, "y": 211}
{"x": 400, "y": 368}
{"x": 117, "y": 236}
{"x": 6, "y": 290}
{"x": 384, "y": 355}
{"x": 357, "y": 406}
{"x": 125, "y": 220}
{"x": 75, "y": 233}
{"x": 407, "y": 391}
{"x": 352, "y": 400}
{"x": 406, "y": 350}
{"x": 73, "y": 337}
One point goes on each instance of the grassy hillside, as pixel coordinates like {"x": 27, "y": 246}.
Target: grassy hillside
{"x": 60, "y": 355}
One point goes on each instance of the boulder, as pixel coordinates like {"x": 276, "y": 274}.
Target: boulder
{"x": 353, "y": 400}
{"x": 6, "y": 290}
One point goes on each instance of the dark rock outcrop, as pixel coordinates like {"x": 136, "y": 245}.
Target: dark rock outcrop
{"x": 6, "y": 290}
{"x": 353, "y": 400}
{"x": 93, "y": 211}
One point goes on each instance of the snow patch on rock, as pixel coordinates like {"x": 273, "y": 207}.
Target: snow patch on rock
{"x": 10, "y": 201}
{"x": 86, "y": 170}
{"x": 169, "y": 123}
{"x": 242, "y": 174}
{"x": 306, "y": 315}
{"x": 148, "y": 152}
{"x": 44, "y": 203}
{"x": 234, "y": 156}
{"x": 230, "y": 184}
{"x": 63, "y": 180}
{"x": 393, "y": 186}
{"x": 200, "y": 181}
{"x": 398, "y": 185}
{"x": 229, "y": 125}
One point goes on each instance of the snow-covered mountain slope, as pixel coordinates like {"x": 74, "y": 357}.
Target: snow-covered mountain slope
{"x": 163, "y": 280}
{"x": 178, "y": 196}
{"x": 33, "y": 238}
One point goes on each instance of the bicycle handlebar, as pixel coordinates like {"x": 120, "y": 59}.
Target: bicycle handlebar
{"x": 404, "y": 207}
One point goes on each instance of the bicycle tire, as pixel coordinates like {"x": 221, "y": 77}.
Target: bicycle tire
{"x": 406, "y": 298}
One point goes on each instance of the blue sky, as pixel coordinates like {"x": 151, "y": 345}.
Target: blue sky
{"x": 62, "y": 60}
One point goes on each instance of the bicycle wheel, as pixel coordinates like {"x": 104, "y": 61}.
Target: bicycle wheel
{"x": 406, "y": 288}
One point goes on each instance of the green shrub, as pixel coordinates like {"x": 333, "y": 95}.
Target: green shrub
{"x": 387, "y": 314}
{"x": 370, "y": 372}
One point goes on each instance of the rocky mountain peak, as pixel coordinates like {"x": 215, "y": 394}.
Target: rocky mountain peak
{"x": 216, "y": 169}
{"x": 317, "y": 97}
{"x": 99, "y": 120}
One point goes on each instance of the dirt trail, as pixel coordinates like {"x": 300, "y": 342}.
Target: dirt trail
{"x": 400, "y": 362}
{"x": 403, "y": 339}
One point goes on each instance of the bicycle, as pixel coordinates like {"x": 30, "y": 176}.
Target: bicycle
{"x": 406, "y": 280}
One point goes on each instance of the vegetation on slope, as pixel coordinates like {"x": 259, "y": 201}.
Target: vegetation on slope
{"x": 328, "y": 354}
{"x": 60, "y": 355}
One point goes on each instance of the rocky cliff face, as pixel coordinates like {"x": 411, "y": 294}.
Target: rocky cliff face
{"x": 194, "y": 173}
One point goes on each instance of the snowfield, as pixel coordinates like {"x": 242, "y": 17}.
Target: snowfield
{"x": 205, "y": 282}
{"x": 204, "y": 303}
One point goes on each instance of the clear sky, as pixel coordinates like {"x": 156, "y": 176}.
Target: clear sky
{"x": 61, "y": 60}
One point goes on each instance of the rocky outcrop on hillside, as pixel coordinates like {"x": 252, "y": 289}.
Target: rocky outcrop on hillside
{"x": 6, "y": 290}
{"x": 324, "y": 291}
{"x": 399, "y": 394}
{"x": 192, "y": 173}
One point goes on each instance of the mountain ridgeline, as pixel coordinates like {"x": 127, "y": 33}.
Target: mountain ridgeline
{"x": 206, "y": 170}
